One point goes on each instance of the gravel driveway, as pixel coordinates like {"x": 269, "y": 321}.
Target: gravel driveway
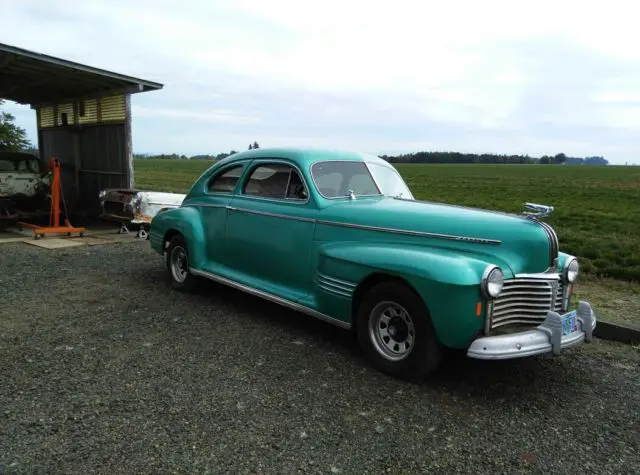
{"x": 104, "y": 369}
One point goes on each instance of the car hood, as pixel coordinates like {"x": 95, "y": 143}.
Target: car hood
{"x": 513, "y": 242}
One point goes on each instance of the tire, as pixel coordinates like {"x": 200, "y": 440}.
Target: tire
{"x": 395, "y": 332}
{"x": 177, "y": 261}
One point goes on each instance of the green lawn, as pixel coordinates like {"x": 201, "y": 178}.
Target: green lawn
{"x": 597, "y": 209}
{"x": 174, "y": 176}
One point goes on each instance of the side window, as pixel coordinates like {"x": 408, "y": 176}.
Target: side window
{"x": 296, "y": 189}
{"x": 226, "y": 181}
{"x": 329, "y": 184}
{"x": 276, "y": 181}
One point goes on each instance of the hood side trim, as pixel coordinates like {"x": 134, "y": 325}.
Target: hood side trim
{"x": 407, "y": 232}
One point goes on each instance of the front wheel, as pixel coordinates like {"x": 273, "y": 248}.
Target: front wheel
{"x": 178, "y": 265}
{"x": 396, "y": 333}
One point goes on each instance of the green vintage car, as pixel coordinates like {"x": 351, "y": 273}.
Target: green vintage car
{"x": 339, "y": 236}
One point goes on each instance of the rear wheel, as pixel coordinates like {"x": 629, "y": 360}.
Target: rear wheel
{"x": 396, "y": 333}
{"x": 178, "y": 265}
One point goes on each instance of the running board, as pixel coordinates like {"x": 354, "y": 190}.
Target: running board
{"x": 273, "y": 298}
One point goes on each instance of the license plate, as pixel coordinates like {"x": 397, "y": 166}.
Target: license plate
{"x": 569, "y": 323}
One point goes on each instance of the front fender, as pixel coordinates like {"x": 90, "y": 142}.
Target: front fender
{"x": 447, "y": 281}
{"x": 186, "y": 221}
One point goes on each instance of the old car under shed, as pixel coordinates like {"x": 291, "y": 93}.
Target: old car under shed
{"x": 83, "y": 118}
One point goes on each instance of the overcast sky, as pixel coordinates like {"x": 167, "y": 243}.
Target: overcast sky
{"x": 376, "y": 76}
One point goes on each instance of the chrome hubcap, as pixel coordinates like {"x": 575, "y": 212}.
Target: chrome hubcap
{"x": 391, "y": 330}
{"x": 179, "y": 264}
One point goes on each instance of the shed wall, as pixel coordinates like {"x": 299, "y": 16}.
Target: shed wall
{"x": 92, "y": 140}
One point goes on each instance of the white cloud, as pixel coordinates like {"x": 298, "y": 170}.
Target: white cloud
{"x": 219, "y": 116}
{"x": 534, "y": 78}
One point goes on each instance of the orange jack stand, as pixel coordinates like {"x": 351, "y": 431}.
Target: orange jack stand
{"x": 54, "y": 217}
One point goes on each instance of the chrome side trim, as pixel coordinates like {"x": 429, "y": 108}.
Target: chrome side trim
{"x": 335, "y": 286}
{"x": 411, "y": 233}
{"x": 343, "y": 283}
{"x": 273, "y": 215}
{"x": 273, "y": 298}
{"x": 203, "y": 205}
{"x": 268, "y": 199}
{"x": 450, "y": 237}
{"x": 334, "y": 291}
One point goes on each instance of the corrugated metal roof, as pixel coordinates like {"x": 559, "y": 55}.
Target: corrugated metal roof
{"x": 33, "y": 78}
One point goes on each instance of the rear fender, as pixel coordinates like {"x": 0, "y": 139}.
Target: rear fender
{"x": 185, "y": 221}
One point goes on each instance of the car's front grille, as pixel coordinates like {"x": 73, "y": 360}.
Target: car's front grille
{"x": 526, "y": 300}
{"x": 117, "y": 208}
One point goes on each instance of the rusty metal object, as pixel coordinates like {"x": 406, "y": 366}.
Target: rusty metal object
{"x": 56, "y": 226}
{"x": 136, "y": 207}
{"x": 24, "y": 185}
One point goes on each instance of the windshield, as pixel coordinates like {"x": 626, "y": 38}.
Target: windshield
{"x": 390, "y": 181}
{"x": 335, "y": 179}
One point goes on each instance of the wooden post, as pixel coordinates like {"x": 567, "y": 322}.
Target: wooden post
{"x": 128, "y": 145}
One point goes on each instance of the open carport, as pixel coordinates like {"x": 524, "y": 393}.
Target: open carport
{"x": 83, "y": 118}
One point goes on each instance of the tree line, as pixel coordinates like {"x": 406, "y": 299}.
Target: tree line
{"x": 427, "y": 157}
{"x": 458, "y": 157}
{"x": 175, "y": 156}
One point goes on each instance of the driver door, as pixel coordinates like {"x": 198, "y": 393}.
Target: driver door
{"x": 270, "y": 228}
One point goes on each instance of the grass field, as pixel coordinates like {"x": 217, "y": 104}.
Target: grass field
{"x": 597, "y": 209}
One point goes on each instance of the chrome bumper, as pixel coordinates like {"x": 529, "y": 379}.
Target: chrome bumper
{"x": 545, "y": 338}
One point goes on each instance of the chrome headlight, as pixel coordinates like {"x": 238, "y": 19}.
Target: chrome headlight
{"x": 102, "y": 195}
{"x": 492, "y": 282}
{"x": 571, "y": 270}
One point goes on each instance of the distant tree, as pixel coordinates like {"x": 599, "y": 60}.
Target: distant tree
{"x": 250, "y": 146}
{"x": 12, "y": 137}
{"x": 595, "y": 161}
{"x": 255, "y": 145}
{"x": 559, "y": 158}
